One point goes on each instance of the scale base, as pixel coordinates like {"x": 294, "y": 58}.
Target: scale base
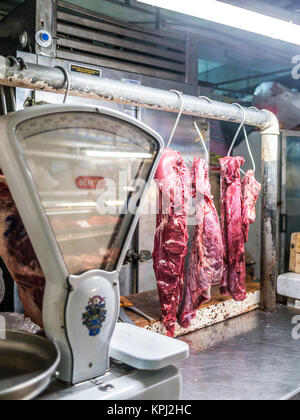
{"x": 122, "y": 383}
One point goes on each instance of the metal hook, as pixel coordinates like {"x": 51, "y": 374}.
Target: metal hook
{"x": 17, "y": 62}
{"x": 249, "y": 149}
{"x": 178, "y": 118}
{"x": 12, "y": 61}
{"x": 67, "y": 79}
{"x": 246, "y": 138}
{"x": 206, "y": 98}
{"x": 262, "y": 110}
{"x": 202, "y": 140}
{"x": 239, "y": 129}
{"x": 22, "y": 63}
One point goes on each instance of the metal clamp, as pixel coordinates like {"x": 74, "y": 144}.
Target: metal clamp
{"x": 106, "y": 388}
{"x": 18, "y": 62}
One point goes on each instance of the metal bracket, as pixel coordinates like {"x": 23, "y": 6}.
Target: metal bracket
{"x": 283, "y": 223}
{"x": 142, "y": 256}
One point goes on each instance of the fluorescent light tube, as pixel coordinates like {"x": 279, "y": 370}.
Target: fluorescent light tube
{"x": 236, "y": 17}
{"x": 87, "y": 154}
{"x": 124, "y": 155}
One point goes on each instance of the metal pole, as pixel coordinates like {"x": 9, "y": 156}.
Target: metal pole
{"x": 49, "y": 79}
{"x": 3, "y": 100}
{"x": 269, "y": 231}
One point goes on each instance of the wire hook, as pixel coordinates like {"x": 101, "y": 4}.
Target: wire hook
{"x": 249, "y": 149}
{"x": 206, "y": 98}
{"x": 202, "y": 140}
{"x": 246, "y": 138}
{"x": 239, "y": 129}
{"x": 178, "y": 117}
{"x": 67, "y": 80}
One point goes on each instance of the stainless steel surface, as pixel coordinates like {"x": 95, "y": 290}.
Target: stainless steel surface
{"x": 128, "y": 383}
{"x": 50, "y": 79}
{"x": 27, "y": 365}
{"x": 251, "y": 357}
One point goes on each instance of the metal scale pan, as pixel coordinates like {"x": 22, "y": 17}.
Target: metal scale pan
{"x": 27, "y": 365}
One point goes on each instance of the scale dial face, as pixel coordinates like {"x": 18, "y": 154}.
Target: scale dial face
{"x": 89, "y": 170}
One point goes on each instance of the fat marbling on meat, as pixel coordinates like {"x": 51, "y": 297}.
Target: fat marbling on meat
{"x": 19, "y": 257}
{"x": 21, "y": 261}
{"x": 232, "y": 228}
{"x": 205, "y": 265}
{"x": 171, "y": 236}
{"x": 238, "y": 200}
{"x": 251, "y": 190}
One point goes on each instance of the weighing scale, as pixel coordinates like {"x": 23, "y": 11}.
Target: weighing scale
{"x": 61, "y": 162}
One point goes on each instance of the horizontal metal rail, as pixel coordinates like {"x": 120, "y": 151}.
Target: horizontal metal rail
{"x": 49, "y": 79}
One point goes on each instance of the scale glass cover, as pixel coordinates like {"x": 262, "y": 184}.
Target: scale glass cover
{"x": 86, "y": 170}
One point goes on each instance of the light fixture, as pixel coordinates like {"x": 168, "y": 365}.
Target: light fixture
{"x": 236, "y": 17}
{"x": 88, "y": 154}
{"x": 124, "y": 155}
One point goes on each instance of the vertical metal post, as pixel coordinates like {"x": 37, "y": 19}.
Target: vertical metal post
{"x": 3, "y": 100}
{"x": 269, "y": 251}
{"x": 46, "y": 19}
{"x": 283, "y": 207}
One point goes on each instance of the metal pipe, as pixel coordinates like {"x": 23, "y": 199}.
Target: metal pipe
{"x": 269, "y": 254}
{"x": 49, "y": 79}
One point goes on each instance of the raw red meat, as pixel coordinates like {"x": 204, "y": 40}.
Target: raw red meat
{"x": 21, "y": 261}
{"x": 232, "y": 211}
{"x": 251, "y": 190}
{"x": 19, "y": 257}
{"x": 206, "y": 261}
{"x": 171, "y": 237}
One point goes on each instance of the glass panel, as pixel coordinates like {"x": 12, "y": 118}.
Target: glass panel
{"x": 292, "y": 190}
{"x": 89, "y": 170}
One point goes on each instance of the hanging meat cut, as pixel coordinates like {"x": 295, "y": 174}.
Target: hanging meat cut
{"x": 206, "y": 261}
{"x": 171, "y": 237}
{"x": 19, "y": 257}
{"x": 238, "y": 202}
{"x": 232, "y": 227}
{"x": 251, "y": 190}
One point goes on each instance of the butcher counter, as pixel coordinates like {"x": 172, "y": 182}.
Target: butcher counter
{"x": 254, "y": 356}
{"x": 250, "y": 357}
